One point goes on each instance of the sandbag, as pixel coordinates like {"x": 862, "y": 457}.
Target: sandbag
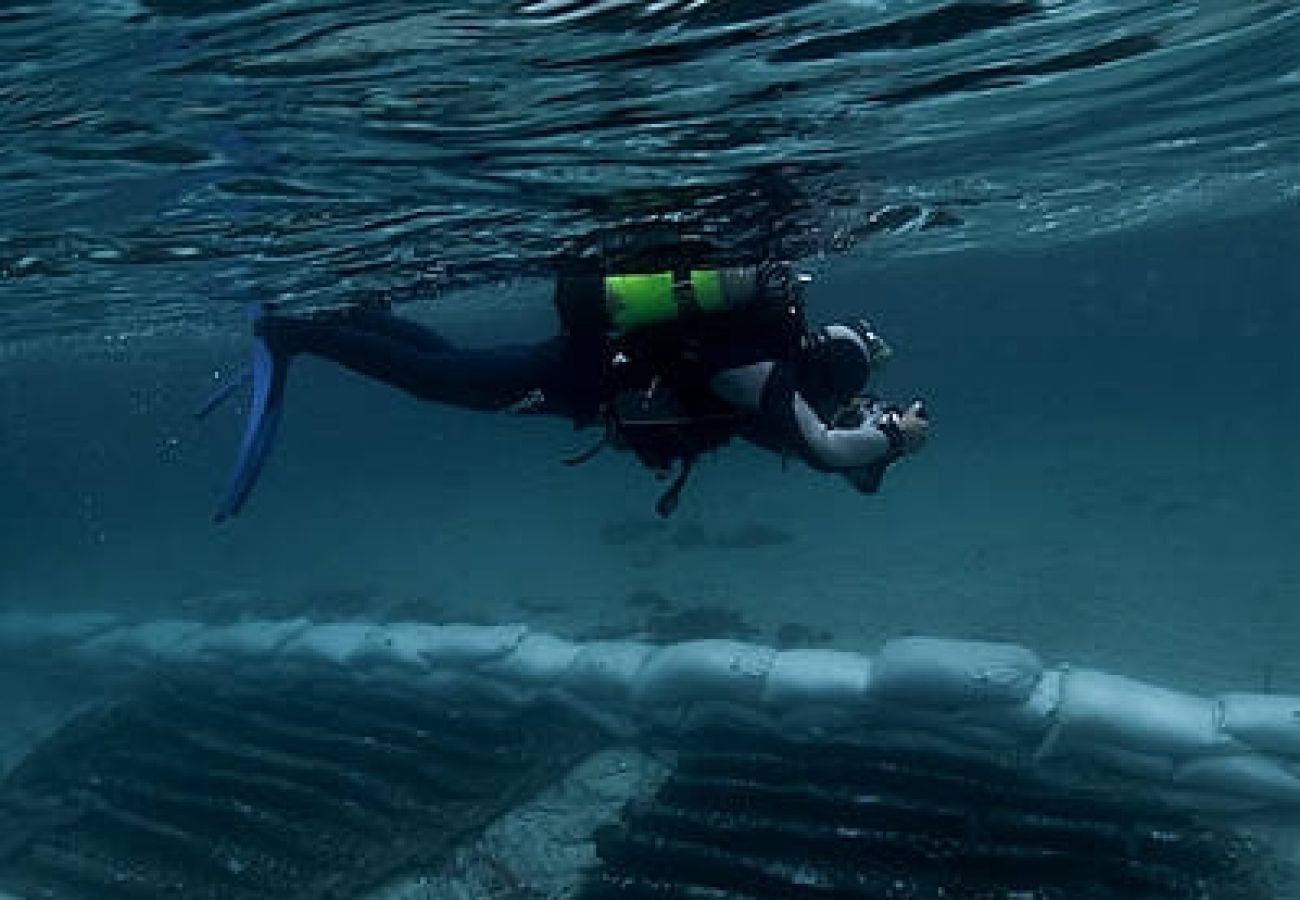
{"x": 606, "y": 670}
{"x": 705, "y": 670}
{"x": 935, "y": 673}
{"x": 1033, "y": 717}
{"x": 23, "y": 633}
{"x": 1265, "y": 722}
{"x": 1100, "y": 708}
{"x": 815, "y": 720}
{"x": 467, "y": 645}
{"x": 1242, "y": 775}
{"x": 1149, "y": 767}
{"x": 817, "y": 677}
{"x": 953, "y": 725}
{"x": 402, "y": 645}
{"x": 539, "y": 660}
{"x": 242, "y": 640}
{"x": 148, "y": 644}
{"x": 332, "y": 644}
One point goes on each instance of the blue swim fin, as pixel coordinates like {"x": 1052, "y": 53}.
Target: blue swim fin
{"x": 268, "y": 370}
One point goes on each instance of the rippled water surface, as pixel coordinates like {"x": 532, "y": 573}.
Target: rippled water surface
{"x": 164, "y": 161}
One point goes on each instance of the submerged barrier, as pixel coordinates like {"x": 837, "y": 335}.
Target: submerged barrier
{"x": 1241, "y": 747}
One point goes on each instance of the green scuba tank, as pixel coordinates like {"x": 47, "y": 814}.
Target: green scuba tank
{"x": 627, "y": 302}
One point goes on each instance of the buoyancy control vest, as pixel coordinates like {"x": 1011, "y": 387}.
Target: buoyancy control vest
{"x": 665, "y": 334}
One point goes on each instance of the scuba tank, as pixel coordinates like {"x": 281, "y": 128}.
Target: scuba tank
{"x": 626, "y": 302}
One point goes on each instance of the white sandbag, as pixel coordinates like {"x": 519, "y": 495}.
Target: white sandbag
{"x": 22, "y": 632}
{"x": 816, "y": 721}
{"x": 946, "y": 674}
{"x": 151, "y": 643}
{"x": 399, "y": 645}
{"x": 1032, "y": 717}
{"x": 540, "y": 660}
{"x": 1264, "y": 721}
{"x": 1157, "y": 770}
{"x": 1100, "y": 708}
{"x": 952, "y": 725}
{"x": 461, "y": 686}
{"x": 1250, "y": 775}
{"x": 606, "y": 670}
{"x": 817, "y": 677}
{"x": 705, "y": 714}
{"x": 456, "y": 646}
{"x": 241, "y": 641}
{"x": 334, "y": 644}
{"x": 705, "y": 670}
{"x": 407, "y": 645}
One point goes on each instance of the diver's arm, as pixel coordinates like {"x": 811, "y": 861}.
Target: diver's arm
{"x": 835, "y": 449}
{"x": 838, "y": 449}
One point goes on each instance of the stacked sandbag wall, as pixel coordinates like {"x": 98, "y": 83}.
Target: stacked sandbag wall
{"x": 1241, "y": 747}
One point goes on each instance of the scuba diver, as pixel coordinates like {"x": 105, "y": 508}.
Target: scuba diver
{"x": 672, "y": 364}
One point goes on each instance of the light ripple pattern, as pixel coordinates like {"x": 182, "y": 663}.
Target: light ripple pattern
{"x": 167, "y": 160}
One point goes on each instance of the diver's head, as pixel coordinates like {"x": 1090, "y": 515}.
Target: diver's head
{"x": 838, "y": 362}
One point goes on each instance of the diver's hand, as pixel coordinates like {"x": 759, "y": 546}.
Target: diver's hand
{"x": 912, "y": 424}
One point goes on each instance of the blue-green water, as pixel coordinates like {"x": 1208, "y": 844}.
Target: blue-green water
{"x": 1112, "y": 476}
{"x": 1076, "y": 220}
{"x": 165, "y": 161}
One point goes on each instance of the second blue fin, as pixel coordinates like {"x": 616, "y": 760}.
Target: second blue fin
{"x": 268, "y": 370}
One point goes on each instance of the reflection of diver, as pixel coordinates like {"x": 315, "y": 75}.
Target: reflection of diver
{"x": 672, "y": 364}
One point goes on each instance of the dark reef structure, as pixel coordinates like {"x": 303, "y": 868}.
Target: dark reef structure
{"x": 250, "y": 791}
{"x": 314, "y": 788}
{"x": 750, "y": 816}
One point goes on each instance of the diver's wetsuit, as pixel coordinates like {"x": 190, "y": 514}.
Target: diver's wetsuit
{"x": 573, "y": 378}
{"x": 563, "y": 374}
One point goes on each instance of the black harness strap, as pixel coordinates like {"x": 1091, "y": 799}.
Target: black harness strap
{"x": 590, "y": 453}
{"x": 667, "y": 503}
{"x": 684, "y": 293}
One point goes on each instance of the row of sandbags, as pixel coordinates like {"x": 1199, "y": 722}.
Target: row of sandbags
{"x": 1239, "y": 745}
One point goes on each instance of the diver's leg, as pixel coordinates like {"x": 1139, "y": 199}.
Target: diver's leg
{"x": 376, "y": 321}
{"x": 556, "y": 377}
{"x": 483, "y": 379}
{"x": 381, "y": 322}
